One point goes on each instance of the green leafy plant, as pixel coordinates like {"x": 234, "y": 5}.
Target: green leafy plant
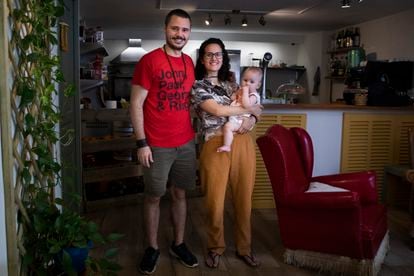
{"x": 52, "y": 231}
{"x": 47, "y": 226}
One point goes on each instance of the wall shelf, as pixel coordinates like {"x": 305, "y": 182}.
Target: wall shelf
{"x": 335, "y": 77}
{"x": 110, "y": 144}
{"x": 113, "y": 172}
{"x": 108, "y": 115}
{"x": 87, "y": 84}
{"x": 93, "y": 48}
{"x": 343, "y": 50}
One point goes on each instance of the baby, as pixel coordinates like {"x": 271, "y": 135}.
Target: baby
{"x": 245, "y": 97}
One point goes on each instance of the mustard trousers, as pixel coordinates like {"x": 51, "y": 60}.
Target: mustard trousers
{"x": 236, "y": 169}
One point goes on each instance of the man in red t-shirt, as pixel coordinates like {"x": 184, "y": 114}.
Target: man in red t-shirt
{"x": 160, "y": 115}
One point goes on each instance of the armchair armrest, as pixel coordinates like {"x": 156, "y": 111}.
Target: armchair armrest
{"x": 333, "y": 200}
{"x": 363, "y": 183}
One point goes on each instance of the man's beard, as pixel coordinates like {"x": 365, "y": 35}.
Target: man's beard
{"x": 174, "y": 47}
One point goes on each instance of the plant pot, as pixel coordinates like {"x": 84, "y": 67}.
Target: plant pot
{"x": 78, "y": 256}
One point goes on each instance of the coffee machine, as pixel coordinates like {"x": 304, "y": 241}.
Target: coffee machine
{"x": 265, "y": 63}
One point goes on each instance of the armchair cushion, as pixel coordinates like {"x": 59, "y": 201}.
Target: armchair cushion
{"x": 318, "y": 187}
{"x": 364, "y": 183}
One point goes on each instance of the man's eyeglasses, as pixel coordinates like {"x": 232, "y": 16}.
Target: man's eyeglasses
{"x": 217, "y": 55}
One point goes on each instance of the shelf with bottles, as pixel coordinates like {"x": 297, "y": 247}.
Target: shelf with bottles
{"x": 341, "y": 61}
{"x": 91, "y": 66}
{"x": 345, "y": 40}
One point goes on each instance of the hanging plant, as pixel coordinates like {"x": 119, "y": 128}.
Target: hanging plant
{"x": 48, "y": 229}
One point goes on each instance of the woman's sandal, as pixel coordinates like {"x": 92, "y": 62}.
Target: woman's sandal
{"x": 248, "y": 259}
{"x": 212, "y": 259}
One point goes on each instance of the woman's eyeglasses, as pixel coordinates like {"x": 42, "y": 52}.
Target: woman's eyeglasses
{"x": 217, "y": 55}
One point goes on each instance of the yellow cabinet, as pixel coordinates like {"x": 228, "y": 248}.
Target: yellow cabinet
{"x": 372, "y": 141}
{"x": 262, "y": 194}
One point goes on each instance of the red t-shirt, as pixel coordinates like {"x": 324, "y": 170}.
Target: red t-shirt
{"x": 167, "y": 120}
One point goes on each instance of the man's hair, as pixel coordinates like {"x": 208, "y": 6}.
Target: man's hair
{"x": 177, "y": 12}
{"x": 256, "y": 70}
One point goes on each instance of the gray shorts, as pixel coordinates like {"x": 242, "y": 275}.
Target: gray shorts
{"x": 174, "y": 165}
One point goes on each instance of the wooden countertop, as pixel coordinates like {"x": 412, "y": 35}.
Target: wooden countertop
{"x": 335, "y": 106}
{"x": 123, "y": 114}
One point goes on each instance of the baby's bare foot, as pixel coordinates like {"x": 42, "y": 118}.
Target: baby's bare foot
{"x": 224, "y": 149}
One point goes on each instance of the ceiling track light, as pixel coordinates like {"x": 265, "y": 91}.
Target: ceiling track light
{"x": 262, "y": 20}
{"x": 244, "y": 21}
{"x": 227, "y": 17}
{"x": 346, "y": 4}
{"x": 227, "y": 20}
{"x": 208, "y": 20}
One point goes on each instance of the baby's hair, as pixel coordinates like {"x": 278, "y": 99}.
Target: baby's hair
{"x": 256, "y": 70}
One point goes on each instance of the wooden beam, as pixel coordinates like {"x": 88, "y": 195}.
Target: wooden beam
{"x": 6, "y": 145}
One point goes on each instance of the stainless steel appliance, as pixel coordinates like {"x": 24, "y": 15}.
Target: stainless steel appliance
{"x": 122, "y": 68}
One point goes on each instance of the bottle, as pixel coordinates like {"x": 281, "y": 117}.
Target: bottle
{"x": 97, "y": 67}
{"x": 339, "y": 40}
{"x": 357, "y": 38}
{"x": 82, "y": 30}
{"x": 346, "y": 38}
{"x": 99, "y": 35}
{"x": 333, "y": 43}
{"x": 343, "y": 40}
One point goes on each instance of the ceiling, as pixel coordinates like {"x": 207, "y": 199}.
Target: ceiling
{"x": 119, "y": 18}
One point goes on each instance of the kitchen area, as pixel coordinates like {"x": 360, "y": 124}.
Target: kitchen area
{"x": 341, "y": 70}
{"x": 300, "y": 81}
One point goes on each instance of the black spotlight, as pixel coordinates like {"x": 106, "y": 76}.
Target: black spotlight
{"x": 208, "y": 20}
{"x": 227, "y": 20}
{"x": 244, "y": 21}
{"x": 346, "y": 4}
{"x": 262, "y": 20}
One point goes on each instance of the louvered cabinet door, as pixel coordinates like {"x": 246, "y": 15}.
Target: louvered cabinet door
{"x": 262, "y": 194}
{"x": 401, "y": 154}
{"x": 372, "y": 141}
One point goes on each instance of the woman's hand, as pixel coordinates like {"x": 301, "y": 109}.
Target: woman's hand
{"x": 247, "y": 125}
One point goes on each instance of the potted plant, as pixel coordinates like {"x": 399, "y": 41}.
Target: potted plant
{"x": 48, "y": 231}
{"x": 58, "y": 240}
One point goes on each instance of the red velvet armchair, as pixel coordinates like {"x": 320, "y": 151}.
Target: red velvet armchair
{"x": 343, "y": 231}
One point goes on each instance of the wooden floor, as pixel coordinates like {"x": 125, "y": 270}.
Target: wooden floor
{"x": 266, "y": 242}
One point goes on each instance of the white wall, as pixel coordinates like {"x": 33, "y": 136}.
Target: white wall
{"x": 325, "y": 129}
{"x": 311, "y": 55}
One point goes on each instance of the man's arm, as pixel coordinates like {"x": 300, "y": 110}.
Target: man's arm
{"x": 138, "y": 96}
